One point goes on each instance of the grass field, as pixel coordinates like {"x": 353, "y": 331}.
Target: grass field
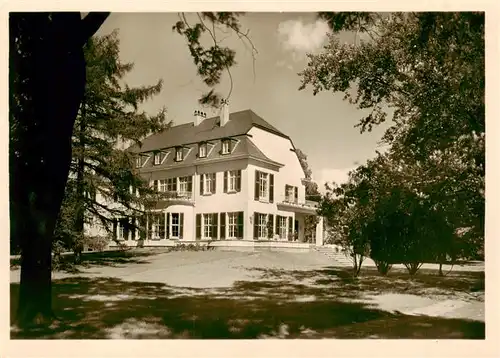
{"x": 223, "y": 294}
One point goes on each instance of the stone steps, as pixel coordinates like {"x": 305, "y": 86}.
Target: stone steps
{"x": 339, "y": 257}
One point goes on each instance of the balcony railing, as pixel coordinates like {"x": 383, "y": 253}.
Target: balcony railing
{"x": 177, "y": 195}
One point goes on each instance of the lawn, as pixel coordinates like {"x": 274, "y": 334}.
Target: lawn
{"x": 224, "y": 294}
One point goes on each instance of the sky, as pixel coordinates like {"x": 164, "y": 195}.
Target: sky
{"x": 322, "y": 126}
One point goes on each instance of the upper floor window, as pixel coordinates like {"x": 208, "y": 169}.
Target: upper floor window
{"x": 232, "y": 181}
{"x": 291, "y": 194}
{"x": 185, "y": 186}
{"x": 179, "y": 154}
{"x": 172, "y": 184}
{"x": 138, "y": 162}
{"x": 157, "y": 158}
{"x": 208, "y": 183}
{"x": 226, "y": 146}
{"x": 264, "y": 186}
{"x": 263, "y": 183}
{"x": 202, "y": 150}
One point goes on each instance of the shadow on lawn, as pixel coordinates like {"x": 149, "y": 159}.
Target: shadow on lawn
{"x": 93, "y": 308}
{"x": 425, "y": 282}
{"x": 99, "y": 259}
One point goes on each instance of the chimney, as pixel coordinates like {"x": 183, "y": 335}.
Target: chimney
{"x": 199, "y": 116}
{"x": 224, "y": 112}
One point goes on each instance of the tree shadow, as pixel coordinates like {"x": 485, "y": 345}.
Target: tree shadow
{"x": 118, "y": 258}
{"x": 425, "y": 283}
{"x": 96, "y": 308}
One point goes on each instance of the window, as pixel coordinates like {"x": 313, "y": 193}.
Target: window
{"x": 291, "y": 193}
{"x": 234, "y": 177}
{"x": 262, "y": 223}
{"x": 175, "y": 223}
{"x": 210, "y": 226}
{"x": 179, "y": 154}
{"x": 163, "y": 185}
{"x": 157, "y": 158}
{"x": 121, "y": 230}
{"x": 138, "y": 162}
{"x": 183, "y": 186}
{"x": 172, "y": 184}
{"x": 282, "y": 227}
{"x": 263, "y": 185}
{"x": 232, "y": 225}
{"x": 226, "y": 146}
{"x": 202, "y": 150}
{"x": 208, "y": 185}
{"x": 157, "y": 226}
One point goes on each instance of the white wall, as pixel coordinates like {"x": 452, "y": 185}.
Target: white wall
{"x": 279, "y": 149}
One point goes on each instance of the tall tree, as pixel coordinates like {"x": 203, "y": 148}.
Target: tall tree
{"x": 425, "y": 72}
{"x": 47, "y": 83}
{"x": 102, "y": 172}
{"x": 47, "y": 79}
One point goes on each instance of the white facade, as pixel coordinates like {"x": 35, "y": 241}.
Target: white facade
{"x": 233, "y": 212}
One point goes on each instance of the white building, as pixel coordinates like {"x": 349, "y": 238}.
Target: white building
{"x": 234, "y": 177}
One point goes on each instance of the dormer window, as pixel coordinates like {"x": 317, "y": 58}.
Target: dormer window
{"x": 202, "y": 150}
{"x": 157, "y": 158}
{"x": 138, "y": 162}
{"x": 226, "y": 146}
{"x": 179, "y": 154}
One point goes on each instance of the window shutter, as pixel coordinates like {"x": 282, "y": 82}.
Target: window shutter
{"x": 115, "y": 229}
{"x": 162, "y": 225}
{"x": 198, "y": 226}
{"x": 155, "y": 185}
{"x": 167, "y": 236}
{"x": 150, "y": 226}
{"x": 181, "y": 225}
{"x": 255, "y": 226}
{"x": 230, "y": 145}
{"x": 225, "y": 182}
{"x": 238, "y": 181}
{"x": 290, "y": 224}
{"x": 276, "y": 225}
{"x": 215, "y": 227}
{"x": 271, "y": 226}
{"x": 257, "y": 185}
{"x": 214, "y": 176}
{"x": 142, "y": 227}
{"x": 271, "y": 188}
{"x": 240, "y": 225}
{"x": 126, "y": 227}
{"x": 190, "y": 184}
{"x": 201, "y": 184}
{"x": 222, "y": 225}
{"x": 296, "y": 194}
{"x": 132, "y": 228}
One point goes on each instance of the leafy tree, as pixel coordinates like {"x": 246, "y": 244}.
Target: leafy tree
{"x": 47, "y": 83}
{"x": 101, "y": 172}
{"x": 345, "y": 215}
{"x": 425, "y": 72}
{"x": 427, "y": 67}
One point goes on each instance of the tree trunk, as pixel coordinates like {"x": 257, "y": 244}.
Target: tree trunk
{"x": 440, "y": 269}
{"x": 80, "y": 190}
{"x": 41, "y": 156}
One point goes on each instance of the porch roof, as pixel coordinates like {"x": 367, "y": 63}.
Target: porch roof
{"x": 303, "y": 208}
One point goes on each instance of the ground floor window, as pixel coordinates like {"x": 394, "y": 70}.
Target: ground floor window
{"x": 174, "y": 225}
{"x": 210, "y": 226}
{"x": 282, "y": 227}
{"x": 232, "y": 225}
